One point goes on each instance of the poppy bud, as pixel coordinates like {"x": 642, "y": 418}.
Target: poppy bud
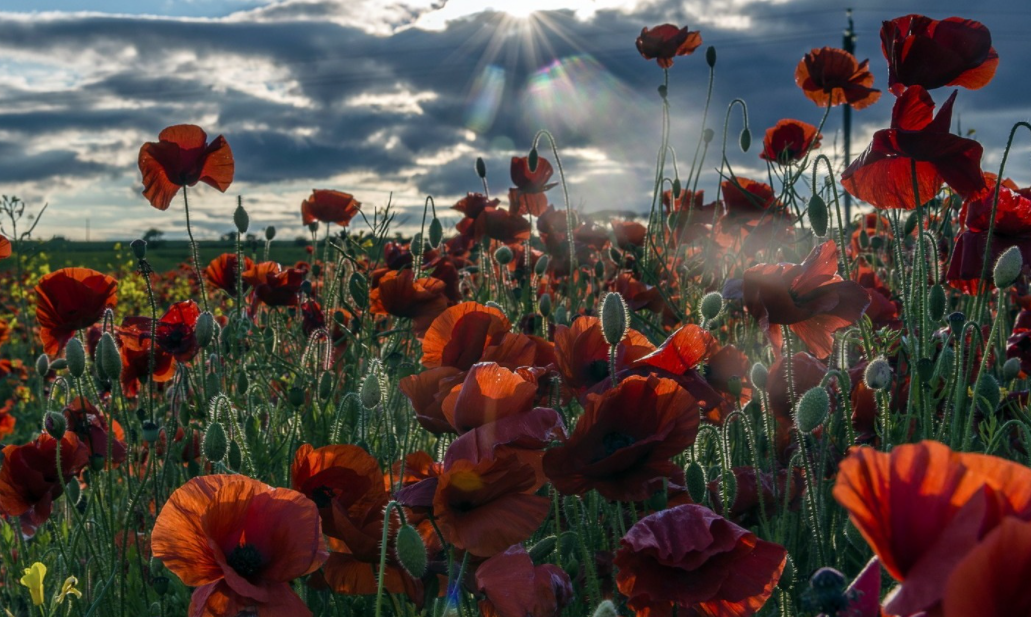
{"x": 728, "y": 483}
{"x": 370, "y": 393}
{"x": 910, "y": 226}
{"x": 746, "y": 139}
{"x": 270, "y": 232}
{"x": 316, "y": 270}
{"x": 708, "y": 135}
{"x": 615, "y": 255}
{"x": 826, "y": 592}
{"x": 663, "y": 91}
{"x": 925, "y": 369}
{"x": 359, "y": 289}
{"x": 607, "y": 608}
{"x": 211, "y": 382}
{"x": 695, "y": 476}
{"x": 541, "y": 266}
{"x": 936, "y": 303}
{"x": 943, "y": 367}
{"x": 205, "y": 329}
{"x": 543, "y": 549}
{"x": 436, "y": 232}
{"x": 531, "y": 160}
{"x": 494, "y": 305}
{"x": 988, "y": 394}
{"x": 544, "y": 305}
{"x": 1011, "y": 369}
{"x": 675, "y": 194}
{"x": 956, "y": 322}
{"x": 160, "y": 585}
{"x": 215, "y": 444}
{"x": 811, "y": 410}
{"x": 818, "y": 215}
{"x": 139, "y": 248}
{"x": 59, "y": 364}
{"x": 411, "y": 551}
{"x": 240, "y": 219}
{"x": 73, "y": 490}
{"x": 1007, "y": 269}
{"x": 711, "y": 305}
{"x": 734, "y": 385}
{"x": 599, "y": 269}
{"x": 107, "y": 358}
{"x": 613, "y": 318}
{"x": 296, "y": 396}
{"x": 759, "y": 374}
{"x": 150, "y": 432}
{"x": 877, "y": 375}
{"x": 235, "y": 456}
{"x": 313, "y": 226}
{"x": 55, "y": 423}
{"x": 710, "y": 56}
{"x": 42, "y": 365}
{"x": 561, "y": 315}
{"x": 325, "y": 386}
{"x": 96, "y": 462}
{"x": 503, "y": 255}
{"x": 864, "y": 239}
{"x": 481, "y": 168}
{"x": 76, "y": 357}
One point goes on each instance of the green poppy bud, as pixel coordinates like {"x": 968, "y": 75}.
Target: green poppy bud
{"x": 710, "y": 56}
{"x": 151, "y": 432}
{"x": 235, "y": 456}
{"x": 370, "y": 393}
{"x": 988, "y": 394}
{"x": 936, "y": 302}
{"x": 1011, "y": 369}
{"x": 160, "y": 585}
{"x": 531, "y": 160}
{"x": 503, "y": 255}
{"x": 270, "y": 232}
{"x": 811, "y": 410}
{"x": 240, "y": 219}
{"x": 215, "y": 444}
{"x": 76, "y": 357}
{"x": 205, "y": 329}
{"x": 711, "y": 305}
{"x": 411, "y": 551}
{"x": 436, "y": 232}
{"x": 675, "y": 191}
{"x": 1008, "y": 268}
{"x": 877, "y": 375}
{"x": 42, "y": 365}
{"x": 325, "y": 386}
{"x": 543, "y": 549}
{"x": 139, "y": 248}
{"x": 55, "y": 424}
{"x": 359, "y": 288}
{"x": 818, "y": 217}
{"x": 107, "y": 359}
{"x": 695, "y": 480}
{"x": 481, "y": 167}
{"x": 758, "y": 375}
{"x": 73, "y": 491}
{"x": 910, "y": 226}
{"x": 745, "y": 140}
{"x": 296, "y": 396}
{"x": 607, "y": 608}
{"x": 544, "y": 305}
{"x": 614, "y": 318}
{"x": 708, "y": 135}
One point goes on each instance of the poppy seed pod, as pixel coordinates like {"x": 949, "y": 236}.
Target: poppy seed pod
{"x": 607, "y": 608}
{"x": 531, "y": 160}
{"x": 1011, "y": 369}
{"x": 436, "y": 232}
{"x": 877, "y": 375}
{"x": 759, "y": 374}
{"x": 910, "y": 226}
{"x": 215, "y": 445}
{"x": 745, "y": 140}
{"x": 481, "y": 168}
{"x": 205, "y": 328}
{"x": 55, "y": 424}
{"x": 240, "y": 219}
{"x": 107, "y": 358}
{"x": 42, "y": 365}
{"x": 76, "y": 357}
{"x": 235, "y": 455}
{"x": 708, "y": 135}
{"x": 956, "y": 322}
{"x": 270, "y": 232}
{"x": 359, "y": 288}
{"x": 864, "y": 239}
{"x": 1007, "y": 269}
{"x": 818, "y": 217}
{"x": 811, "y": 410}
{"x": 613, "y": 318}
{"x": 675, "y": 189}
{"x": 544, "y": 305}
{"x": 503, "y": 255}
{"x": 139, "y": 248}
{"x": 541, "y": 266}
{"x": 710, "y": 56}
{"x": 711, "y": 305}
{"x": 411, "y": 551}
{"x": 936, "y": 303}
{"x": 695, "y": 480}
{"x": 370, "y": 393}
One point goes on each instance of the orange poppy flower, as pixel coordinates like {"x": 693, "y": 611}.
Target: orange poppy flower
{"x": 513, "y": 586}
{"x": 29, "y": 482}
{"x": 329, "y": 207}
{"x": 240, "y": 543}
{"x": 923, "y": 508}
{"x": 789, "y": 141}
{"x": 6, "y": 248}
{"x": 663, "y": 43}
{"x": 528, "y": 195}
{"x": 991, "y": 581}
{"x": 691, "y": 558}
{"x": 926, "y": 52}
{"x": 629, "y": 234}
{"x": 71, "y": 299}
{"x": 400, "y": 294}
{"x": 489, "y": 393}
{"x": 831, "y": 77}
{"x": 459, "y": 336}
{"x": 582, "y": 355}
{"x": 274, "y": 285}
{"x": 7, "y": 421}
{"x": 221, "y": 272}
{"x": 182, "y": 157}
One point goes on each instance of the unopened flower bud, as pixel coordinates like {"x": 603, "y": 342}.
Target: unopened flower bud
{"x": 358, "y": 286}
{"x": 531, "y": 160}
{"x": 541, "y": 551}
{"x": 758, "y": 375}
{"x": 503, "y": 255}
{"x": 240, "y": 219}
{"x": 1007, "y": 269}
{"x": 55, "y": 424}
{"x": 436, "y": 232}
{"x": 150, "y": 431}
{"x": 1011, "y": 369}
{"x": 818, "y": 217}
{"x": 613, "y": 318}
{"x": 745, "y": 140}
{"x": 139, "y": 248}
{"x": 205, "y": 329}
{"x": 708, "y": 135}
{"x": 710, "y": 56}
{"x": 313, "y": 226}
{"x": 370, "y": 392}
{"x": 215, "y": 445}
{"x": 411, "y": 551}
{"x": 544, "y": 305}
{"x": 541, "y": 266}
{"x": 811, "y": 410}
{"x": 695, "y": 480}
{"x": 988, "y": 394}
{"x": 936, "y": 303}
{"x": 108, "y": 360}
{"x": 481, "y": 167}
{"x": 235, "y": 455}
{"x": 607, "y": 608}
{"x": 877, "y": 375}
{"x": 711, "y": 305}
{"x": 76, "y": 357}
{"x": 270, "y": 232}
{"x": 42, "y": 365}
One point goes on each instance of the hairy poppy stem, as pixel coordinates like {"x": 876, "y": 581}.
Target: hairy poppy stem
{"x": 383, "y": 557}
{"x": 193, "y": 250}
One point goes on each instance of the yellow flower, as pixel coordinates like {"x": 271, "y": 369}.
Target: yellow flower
{"x": 69, "y": 589}
{"x": 33, "y": 579}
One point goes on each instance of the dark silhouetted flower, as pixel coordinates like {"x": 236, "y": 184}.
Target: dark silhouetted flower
{"x": 665, "y": 42}
{"x": 929, "y": 53}
{"x": 789, "y": 141}
{"x": 71, "y": 299}
{"x": 329, "y": 207}
{"x": 831, "y": 77}
{"x": 182, "y": 157}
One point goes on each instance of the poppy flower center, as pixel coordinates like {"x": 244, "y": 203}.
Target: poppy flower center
{"x": 616, "y": 441}
{"x": 322, "y": 496}
{"x": 246, "y": 560}
{"x": 598, "y": 370}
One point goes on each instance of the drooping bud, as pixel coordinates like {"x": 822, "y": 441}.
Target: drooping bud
{"x": 877, "y": 375}
{"x": 910, "y": 226}
{"x": 436, "y": 232}
{"x": 73, "y": 491}
{"x": 818, "y": 217}
{"x": 270, "y": 232}
{"x": 864, "y": 239}
{"x": 107, "y": 359}
{"x": 76, "y": 357}
{"x": 811, "y": 409}
{"x": 215, "y": 445}
{"x": 411, "y": 551}
{"x": 613, "y": 318}
{"x": 370, "y": 393}
{"x": 531, "y": 160}
{"x": 42, "y": 365}
{"x": 242, "y": 383}
{"x": 1007, "y": 269}
{"x": 235, "y": 456}
{"x": 205, "y": 329}
{"x": 240, "y": 219}
{"x": 988, "y": 394}
{"x": 544, "y": 305}
{"x": 543, "y": 549}
{"x": 711, "y": 305}
{"x": 746, "y": 139}
{"x": 936, "y": 303}
{"x": 139, "y": 248}
{"x": 55, "y": 424}
{"x": 759, "y": 374}
{"x": 325, "y": 386}
{"x": 313, "y": 226}
{"x": 481, "y": 167}
{"x": 710, "y": 56}
{"x": 503, "y": 255}
{"x": 695, "y": 477}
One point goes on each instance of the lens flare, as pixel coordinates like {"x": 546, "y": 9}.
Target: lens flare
{"x": 484, "y": 98}
{"x": 571, "y": 93}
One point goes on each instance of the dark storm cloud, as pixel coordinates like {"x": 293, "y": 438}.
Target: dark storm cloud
{"x": 19, "y": 166}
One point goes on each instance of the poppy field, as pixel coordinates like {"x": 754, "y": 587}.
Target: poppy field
{"x": 747, "y": 403}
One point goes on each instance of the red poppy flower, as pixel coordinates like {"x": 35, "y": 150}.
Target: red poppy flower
{"x": 400, "y": 294}
{"x": 135, "y": 342}
{"x": 883, "y": 174}
{"x": 528, "y": 195}
{"x": 501, "y": 225}
{"x": 625, "y": 439}
{"x": 29, "y": 482}
{"x": 808, "y": 372}
{"x": 629, "y": 234}
{"x": 929, "y": 53}
{"x": 6, "y": 248}
{"x": 7, "y": 421}
{"x": 176, "y": 331}
{"x": 90, "y": 425}
{"x": 991, "y": 581}
{"x": 663, "y": 43}
{"x": 923, "y": 508}
{"x": 329, "y": 207}
{"x": 582, "y": 355}
{"x": 810, "y": 298}
{"x": 1018, "y": 345}
{"x": 489, "y": 393}
{"x": 514, "y": 587}
{"x": 240, "y": 543}
{"x": 273, "y": 285}
{"x": 789, "y": 141}
{"x": 883, "y": 311}
{"x": 690, "y": 558}
{"x": 831, "y": 77}
{"x": 182, "y": 157}
{"x": 71, "y": 299}
{"x": 221, "y": 272}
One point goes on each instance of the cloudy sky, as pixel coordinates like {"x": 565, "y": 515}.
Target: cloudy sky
{"x": 376, "y": 97}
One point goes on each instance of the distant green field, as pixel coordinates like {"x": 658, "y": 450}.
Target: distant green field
{"x": 163, "y": 255}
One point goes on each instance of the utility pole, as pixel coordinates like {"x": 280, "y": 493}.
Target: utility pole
{"x": 87, "y": 230}
{"x": 849, "y": 45}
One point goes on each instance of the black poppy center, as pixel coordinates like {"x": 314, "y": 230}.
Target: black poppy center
{"x": 598, "y": 370}
{"x": 246, "y": 560}
{"x": 616, "y": 441}
{"x": 323, "y": 496}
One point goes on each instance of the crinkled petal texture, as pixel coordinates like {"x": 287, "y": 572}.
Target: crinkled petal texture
{"x": 514, "y": 587}
{"x": 329, "y": 207}
{"x": 489, "y": 393}
{"x": 696, "y": 560}
{"x": 6, "y": 248}
{"x": 923, "y": 508}
{"x": 665, "y": 42}
{"x": 527, "y": 197}
{"x": 29, "y": 482}
{"x": 71, "y": 299}
{"x": 809, "y": 298}
{"x": 400, "y": 294}
{"x": 625, "y": 439}
{"x": 240, "y": 542}
{"x": 221, "y": 272}
{"x": 789, "y": 141}
{"x": 831, "y": 77}
{"x": 182, "y": 157}
{"x": 926, "y": 52}
{"x": 582, "y": 355}
{"x": 458, "y": 336}
{"x": 991, "y": 581}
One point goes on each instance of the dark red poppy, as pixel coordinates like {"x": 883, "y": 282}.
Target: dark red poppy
{"x": 182, "y": 157}
{"x": 71, "y": 299}
{"x": 883, "y": 311}
{"x": 831, "y": 77}
{"x": 329, "y": 207}
{"x": 747, "y": 197}
{"x": 6, "y": 248}
{"x": 514, "y": 587}
{"x": 221, "y": 272}
{"x": 690, "y": 558}
{"x": 929, "y": 53}
{"x": 90, "y": 425}
{"x": 808, "y": 373}
{"x": 274, "y": 285}
{"x": 789, "y": 141}
{"x": 176, "y": 331}
{"x": 502, "y": 225}
{"x": 527, "y": 197}
{"x": 7, "y": 420}
{"x": 809, "y": 298}
{"x": 29, "y": 482}
{"x": 1018, "y": 345}
{"x": 665, "y": 42}
{"x": 625, "y": 439}
{"x": 582, "y": 355}
{"x": 400, "y": 294}
{"x": 134, "y": 342}
{"x": 629, "y": 234}
{"x": 883, "y": 174}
